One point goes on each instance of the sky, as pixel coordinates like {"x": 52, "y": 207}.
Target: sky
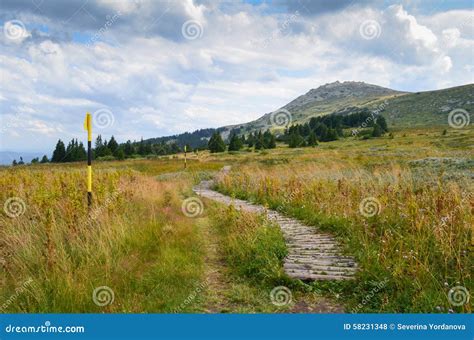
{"x": 153, "y": 68}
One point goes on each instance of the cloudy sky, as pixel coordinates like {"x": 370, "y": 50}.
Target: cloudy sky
{"x": 150, "y": 68}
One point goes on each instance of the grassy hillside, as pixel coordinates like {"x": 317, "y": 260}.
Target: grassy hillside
{"x": 427, "y": 108}
{"x": 401, "y": 109}
{"x": 323, "y": 100}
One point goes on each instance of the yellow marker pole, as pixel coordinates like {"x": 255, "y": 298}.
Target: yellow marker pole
{"x": 185, "y": 163}
{"x": 88, "y": 127}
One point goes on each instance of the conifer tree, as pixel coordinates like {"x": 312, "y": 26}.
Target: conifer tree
{"x": 59, "y": 152}
{"x": 216, "y": 144}
{"x": 235, "y": 143}
{"x": 312, "y": 140}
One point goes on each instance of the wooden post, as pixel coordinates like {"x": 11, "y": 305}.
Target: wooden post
{"x": 88, "y": 127}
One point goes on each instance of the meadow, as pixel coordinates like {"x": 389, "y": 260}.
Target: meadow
{"x": 401, "y": 204}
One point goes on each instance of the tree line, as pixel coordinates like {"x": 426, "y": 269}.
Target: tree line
{"x": 318, "y": 129}
{"x": 331, "y": 127}
{"x": 258, "y": 140}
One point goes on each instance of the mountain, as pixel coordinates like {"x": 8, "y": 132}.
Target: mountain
{"x": 326, "y": 99}
{"x": 401, "y": 109}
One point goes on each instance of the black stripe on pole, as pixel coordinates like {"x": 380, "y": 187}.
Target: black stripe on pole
{"x": 89, "y": 152}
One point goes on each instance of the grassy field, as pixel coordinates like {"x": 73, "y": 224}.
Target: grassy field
{"x": 401, "y": 205}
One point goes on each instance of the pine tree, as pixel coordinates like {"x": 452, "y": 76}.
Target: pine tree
{"x": 44, "y": 159}
{"x": 296, "y": 140}
{"x": 216, "y": 144}
{"x": 105, "y": 149}
{"x": 382, "y": 123}
{"x": 330, "y": 135}
{"x": 149, "y": 149}
{"x": 99, "y": 147}
{"x": 250, "y": 140}
{"x": 14, "y": 163}
{"x": 377, "y": 131}
{"x": 59, "y": 152}
{"x": 242, "y": 140}
{"x": 21, "y": 161}
{"x": 259, "y": 142}
{"x": 235, "y": 143}
{"x": 321, "y": 131}
{"x": 81, "y": 152}
{"x": 312, "y": 140}
{"x": 269, "y": 141}
{"x": 120, "y": 153}
{"x": 128, "y": 149}
{"x": 142, "y": 148}
{"x": 35, "y": 160}
{"x": 69, "y": 149}
{"x": 112, "y": 145}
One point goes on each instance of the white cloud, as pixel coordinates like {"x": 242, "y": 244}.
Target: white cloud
{"x": 156, "y": 82}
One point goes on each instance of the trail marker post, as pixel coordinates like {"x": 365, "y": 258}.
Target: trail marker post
{"x": 88, "y": 128}
{"x": 185, "y": 161}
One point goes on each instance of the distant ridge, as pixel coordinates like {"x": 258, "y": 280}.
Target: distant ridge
{"x": 401, "y": 109}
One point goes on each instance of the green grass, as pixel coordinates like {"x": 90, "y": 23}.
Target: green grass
{"x": 138, "y": 243}
{"x": 407, "y": 248}
{"x": 252, "y": 247}
{"x": 154, "y": 258}
{"x": 253, "y": 250}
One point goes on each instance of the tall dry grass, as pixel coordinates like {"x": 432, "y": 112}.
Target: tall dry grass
{"x": 135, "y": 240}
{"x": 418, "y": 239}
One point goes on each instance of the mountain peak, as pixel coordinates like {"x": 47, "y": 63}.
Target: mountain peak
{"x": 348, "y": 84}
{"x": 337, "y": 91}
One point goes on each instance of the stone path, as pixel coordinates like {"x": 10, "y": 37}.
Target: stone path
{"x": 312, "y": 254}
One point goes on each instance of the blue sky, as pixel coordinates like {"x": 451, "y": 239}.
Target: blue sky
{"x": 153, "y": 68}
